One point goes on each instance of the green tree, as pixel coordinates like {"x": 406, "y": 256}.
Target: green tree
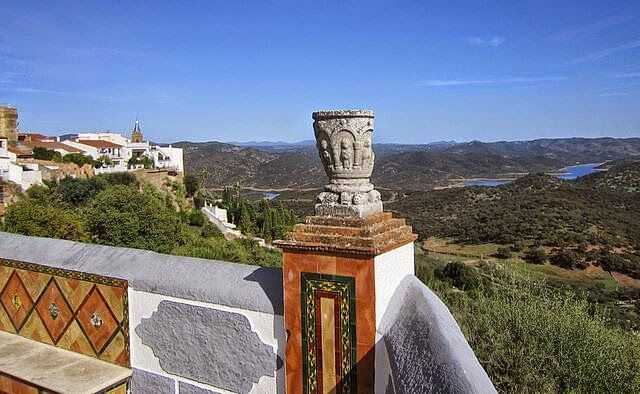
{"x": 125, "y": 216}
{"x": 46, "y": 154}
{"x": 27, "y": 217}
{"x": 535, "y": 255}
{"x": 78, "y": 158}
{"x": 76, "y": 191}
{"x": 191, "y": 184}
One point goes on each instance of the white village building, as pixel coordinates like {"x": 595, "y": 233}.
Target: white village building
{"x": 23, "y": 174}
{"x": 120, "y": 150}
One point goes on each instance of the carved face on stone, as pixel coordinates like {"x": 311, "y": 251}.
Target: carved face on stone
{"x": 348, "y": 141}
{"x": 343, "y": 139}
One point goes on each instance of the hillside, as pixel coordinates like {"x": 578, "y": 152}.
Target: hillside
{"x": 622, "y": 178}
{"x": 403, "y": 167}
{"x": 535, "y": 207}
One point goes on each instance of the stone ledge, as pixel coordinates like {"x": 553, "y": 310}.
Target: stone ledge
{"x": 365, "y": 237}
{"x": 56, "y": 369}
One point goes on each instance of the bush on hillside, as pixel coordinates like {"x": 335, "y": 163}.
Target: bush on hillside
{"x": 564, "y": 258}
{"x": 503, "y": 253}
{"x": 125, "y": 216}
{"x": 28, "y": 217}
{"x": 460, "y": 275}
{"x": 535, "y": 255}
{"x": 78, "y": 158}
{"x": 530, "y": 338}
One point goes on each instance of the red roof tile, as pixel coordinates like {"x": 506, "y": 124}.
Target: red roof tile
{"x": 51, "y": 145}
{"x": 99, "y": 143}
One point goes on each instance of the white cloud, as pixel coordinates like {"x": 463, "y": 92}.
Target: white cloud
{"x": 486, "y": 42}
{"x": 495, "y": 81}
{"x": 606, "y": 52}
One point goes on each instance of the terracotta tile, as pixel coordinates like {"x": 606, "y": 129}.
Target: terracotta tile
{"x": 16, "y": 300}
{"x": 8, "y": 385}
{"x": 55, "y": 321}
{"x": 96, "y": 319}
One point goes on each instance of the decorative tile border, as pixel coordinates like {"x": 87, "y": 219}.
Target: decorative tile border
{"x": 81, "y": 312}
{"x": 342, "y": 289}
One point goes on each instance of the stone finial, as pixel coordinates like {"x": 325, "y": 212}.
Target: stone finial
{"x": 344, "y": 141}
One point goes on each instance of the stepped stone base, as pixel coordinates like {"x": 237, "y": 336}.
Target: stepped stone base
{"x": 365, "y": 237}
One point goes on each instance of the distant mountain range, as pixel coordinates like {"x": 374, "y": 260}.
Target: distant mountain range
{"x": 268, "y": 165}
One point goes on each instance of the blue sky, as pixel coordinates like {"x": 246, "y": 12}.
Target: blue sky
{"x": 239, "y": 70}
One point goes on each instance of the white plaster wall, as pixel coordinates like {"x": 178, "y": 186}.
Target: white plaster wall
{"x": 389, "y": 270}
{"x": 268, "y": 327}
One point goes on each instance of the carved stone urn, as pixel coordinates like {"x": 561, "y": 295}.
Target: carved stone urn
{"x": 344, "y": 142}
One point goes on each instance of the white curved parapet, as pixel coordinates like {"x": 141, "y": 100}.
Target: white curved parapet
{"x": 425, "y": 349}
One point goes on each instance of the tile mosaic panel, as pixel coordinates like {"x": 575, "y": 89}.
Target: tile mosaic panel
{"x": 81, "y": 312}
{"x": 322, "y": 294}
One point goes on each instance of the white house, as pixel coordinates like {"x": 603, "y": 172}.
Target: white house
{"x": 24, "y": 174}
{"x": 121, "y": 149}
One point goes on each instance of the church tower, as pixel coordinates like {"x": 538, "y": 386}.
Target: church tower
{"x": 136, "y": 134}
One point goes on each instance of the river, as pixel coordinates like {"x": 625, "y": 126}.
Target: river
{"x": 567, "y": 173}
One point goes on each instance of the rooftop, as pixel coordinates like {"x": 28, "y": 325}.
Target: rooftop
{"x": 99, "y": 143}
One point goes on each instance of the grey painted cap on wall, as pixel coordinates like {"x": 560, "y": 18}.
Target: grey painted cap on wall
{"x": 427, "y": 351}
{"x": 219, "y": 282}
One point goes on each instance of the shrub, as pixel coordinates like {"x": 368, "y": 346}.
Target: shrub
{"x": 530, "y": 338}
{"x": 120, "y": 178}
{"x": 46, "y": 154}
{"x": 125, "y": 216}
{"x": 209, "y": 230}
{"x": 77, "y": 158}
{"x": 535, "y": 256}
{"x": 77, "y": 191}
{"x": 564, "y": 258}
{"x": 191, "y": 184}
{"x": 196, "y": 218}
{"x": 27, "y": 217}
{"x": 503, "y": 253}
{"x": 460, "y": 275}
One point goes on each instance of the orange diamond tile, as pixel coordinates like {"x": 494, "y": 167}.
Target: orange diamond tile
{"x": 53, "y": 311}
{"x": 16, "y": 300}
{"x": 96, "y": 319}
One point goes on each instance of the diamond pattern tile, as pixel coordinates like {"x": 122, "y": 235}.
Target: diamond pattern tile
{"x": 97, "y": 320}
{"x": 16, "y": 300}
{"x": 53, "y": 310}
{"x": 34, "y": 282}
{"x": 81, "y": 312}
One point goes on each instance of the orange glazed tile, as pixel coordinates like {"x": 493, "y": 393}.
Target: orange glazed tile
{"x": 97, "y": 320}
{"x": 16, "y": 300}
{"x": 53, "y": 311}
{"x": 12, "y": 386}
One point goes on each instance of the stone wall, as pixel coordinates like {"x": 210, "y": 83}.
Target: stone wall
{"x": 204, "y": 326}
{"x": 196, "y": 326}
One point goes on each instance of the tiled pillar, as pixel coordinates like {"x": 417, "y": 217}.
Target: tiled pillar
{"x": 339, "y": 274}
